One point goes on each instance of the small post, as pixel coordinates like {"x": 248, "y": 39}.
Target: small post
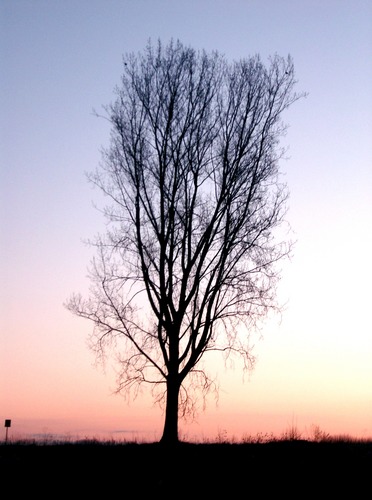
{"x": 7, "y": 424}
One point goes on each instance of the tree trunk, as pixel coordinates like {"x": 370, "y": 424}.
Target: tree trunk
{"x": 170, "y": 431}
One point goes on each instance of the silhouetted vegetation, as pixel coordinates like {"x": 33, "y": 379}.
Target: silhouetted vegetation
{"x": 196, "y": 201}
{"x": 251, "y": 469}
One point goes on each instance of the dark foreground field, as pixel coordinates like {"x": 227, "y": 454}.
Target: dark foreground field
{"x": 296, "y": 469}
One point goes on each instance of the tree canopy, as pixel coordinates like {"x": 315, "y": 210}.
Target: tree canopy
{"x": 189, "y": 261}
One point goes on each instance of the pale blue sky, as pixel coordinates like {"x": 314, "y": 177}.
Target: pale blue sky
{"x": 61, "y": 59}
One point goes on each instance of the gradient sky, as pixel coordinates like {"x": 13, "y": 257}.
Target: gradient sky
{"x": 61, "y": 59}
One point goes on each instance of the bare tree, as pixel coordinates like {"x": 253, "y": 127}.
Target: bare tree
{"x": 188, "y": 263}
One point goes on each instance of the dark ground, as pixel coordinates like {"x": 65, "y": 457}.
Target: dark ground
{"x": 294, "y": 469}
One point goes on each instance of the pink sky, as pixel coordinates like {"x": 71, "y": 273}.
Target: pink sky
{"x": 62, "y": 59}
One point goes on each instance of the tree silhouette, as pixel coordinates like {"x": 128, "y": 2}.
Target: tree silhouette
{"x": 188, "y": 263}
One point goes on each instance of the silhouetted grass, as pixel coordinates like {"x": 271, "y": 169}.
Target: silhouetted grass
{"x": 250, "y": 469}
